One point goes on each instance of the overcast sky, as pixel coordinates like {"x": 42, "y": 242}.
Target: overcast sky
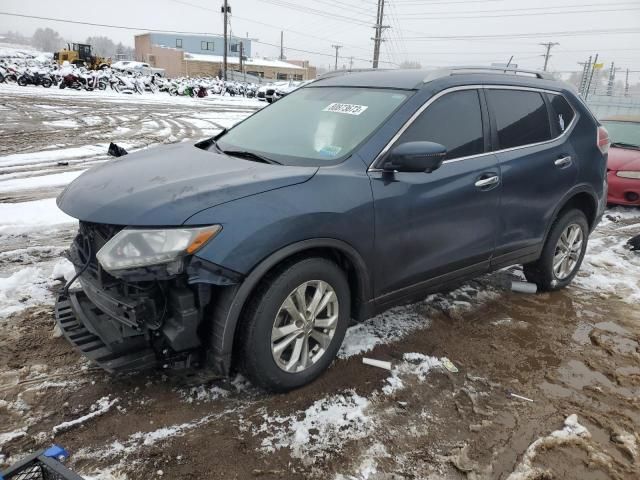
{"x": 315, "y": 25}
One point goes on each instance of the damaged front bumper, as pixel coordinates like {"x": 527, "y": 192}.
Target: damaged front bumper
{"x": 149, "y": 319}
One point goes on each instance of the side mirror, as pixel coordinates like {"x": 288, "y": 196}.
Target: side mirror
{"x": 415, "y": 157}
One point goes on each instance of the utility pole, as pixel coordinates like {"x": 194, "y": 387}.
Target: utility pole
{"x": 612, "y": 79}
{"x": 548, "y": 45}
{"x": 337, "y": 47}
{"x": 586, "y": 67}
{"x": 350, "y": 63}
{"x": 281, "y": 45}
{"x": 377, "y": 40}
{"x": 626, "y": 84}
{"x": 225, "y": 10}
{"x": 593, "y": 69}
{"x": 241, "y": 66}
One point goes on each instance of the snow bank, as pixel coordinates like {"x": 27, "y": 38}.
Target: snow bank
{"x": 571, "y": 432}
{"x": 23, "y": 217}
{"x": 31, "y": 286}
{"x": 99, "y": 408}
{"x": 42, "y": 181}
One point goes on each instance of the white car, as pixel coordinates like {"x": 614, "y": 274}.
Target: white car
{"x": 131, "y": 66}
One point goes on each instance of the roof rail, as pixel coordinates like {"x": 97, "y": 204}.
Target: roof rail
{"x": 478, "y": 69}
{"x": 336, "y": 73}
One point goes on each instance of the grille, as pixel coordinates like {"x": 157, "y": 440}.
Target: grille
{"x": 90, "y": 239}
{"x": 37, "y": 472}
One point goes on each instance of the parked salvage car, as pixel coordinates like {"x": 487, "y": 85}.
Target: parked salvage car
{"x": 256, "y": 248}
{"x": 623, "y": 165}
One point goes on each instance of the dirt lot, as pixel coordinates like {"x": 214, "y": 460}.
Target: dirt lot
{"x": 575, "y": 353}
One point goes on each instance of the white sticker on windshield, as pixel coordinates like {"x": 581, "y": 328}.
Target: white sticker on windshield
{"x": 349, "y": 108}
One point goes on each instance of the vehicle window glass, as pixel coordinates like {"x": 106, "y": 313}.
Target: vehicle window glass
{"x": 521, "y": 117}
{"x": 562, "y": 112}
{"x": 314, "y": 126}
{"x": 623, "y": 133}
{"x": 454, "y": 120}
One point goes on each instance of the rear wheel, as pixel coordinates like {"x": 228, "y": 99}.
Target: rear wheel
{"x": 46, "y": 82}
{"x": 295, "y": 324}
{"x": 562, "y": 253}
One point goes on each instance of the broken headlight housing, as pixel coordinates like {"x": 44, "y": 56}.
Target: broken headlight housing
{"x": 135, "y": 248}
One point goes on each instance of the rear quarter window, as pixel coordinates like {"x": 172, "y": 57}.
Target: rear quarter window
{"x": 562, "y": 113}
{"x": 521, "y": 117}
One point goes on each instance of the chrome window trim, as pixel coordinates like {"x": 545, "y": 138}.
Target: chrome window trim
{"x": 426, "y": 105}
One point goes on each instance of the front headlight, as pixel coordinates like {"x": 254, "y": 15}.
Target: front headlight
{"x": 628, "y": 174}
{"x": 133, "y": 248}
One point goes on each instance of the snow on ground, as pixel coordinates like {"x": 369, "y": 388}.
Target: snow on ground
{"x": 31, "y": 286}
{"x": 323, "y": 427}
{"x": 101, "y": 407}
{"x": 38, "y": 215}
{"x": 54, "y": 180}
{"x": 54, "y": 155}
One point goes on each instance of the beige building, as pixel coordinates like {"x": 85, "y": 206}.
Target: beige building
{"x": 177, "y": 61}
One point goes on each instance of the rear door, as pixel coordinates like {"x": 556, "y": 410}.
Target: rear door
{"x": 430, "y": 225}
{"x": 537, "y": 162}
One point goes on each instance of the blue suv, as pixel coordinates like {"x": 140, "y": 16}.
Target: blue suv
{"x": 255, "y": 249}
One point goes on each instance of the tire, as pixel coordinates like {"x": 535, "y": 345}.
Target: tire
{"x": 1, "y": 78}
{"x": 266, "y": 308}
{"x": 62, "y": 85}
{"x": 542, "y": 271}
{"x": 22, "y": 82}
{"x": 46, "y": 82}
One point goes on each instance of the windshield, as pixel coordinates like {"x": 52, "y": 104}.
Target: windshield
{"x": 626, "y": 133}
{"x": 314, "y": 126}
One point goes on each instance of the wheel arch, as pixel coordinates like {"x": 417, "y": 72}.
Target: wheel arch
{"x": 581, "y": 198}
{"x": 232, "y": 301}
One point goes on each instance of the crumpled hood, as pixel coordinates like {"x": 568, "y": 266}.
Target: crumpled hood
{"x": 166, "y": 185}
{"x": 623, "y": 159}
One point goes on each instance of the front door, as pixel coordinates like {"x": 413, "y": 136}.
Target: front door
{"x": 430, "y": 225}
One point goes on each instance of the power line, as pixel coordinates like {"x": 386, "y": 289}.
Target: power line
{"x": 528, "y": 14}
{"x": 564, "y": 33}
{"x": 526, "y": 9}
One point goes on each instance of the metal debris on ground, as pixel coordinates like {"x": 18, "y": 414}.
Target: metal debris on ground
{"x": 377, "y": 363}
{"x": 523, "y": 287}
{"x": 116, "y": 150}
{"x": 634, "y": 243}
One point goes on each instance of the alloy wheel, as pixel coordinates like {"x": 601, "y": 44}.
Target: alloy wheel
{"x": 304, "y": 326}
{"x": 568, "y": 250}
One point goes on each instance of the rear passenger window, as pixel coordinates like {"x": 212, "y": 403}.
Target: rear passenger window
{"x": 562, "y": 112}
{"x": 521, "y": 117}
{"x": 454, "y": 120}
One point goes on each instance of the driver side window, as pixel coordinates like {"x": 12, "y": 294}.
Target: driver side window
{"x": 454, "y": 120}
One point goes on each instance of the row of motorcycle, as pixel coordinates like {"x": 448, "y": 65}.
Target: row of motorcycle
{"x": 79, "y": 78}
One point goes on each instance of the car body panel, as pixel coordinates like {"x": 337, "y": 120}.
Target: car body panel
{"x": 167, "y": 185}
{"x": 622, "y": 191}
{"x": 335, "y": 203}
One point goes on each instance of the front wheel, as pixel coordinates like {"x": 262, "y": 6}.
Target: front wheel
{"x": 562, "y": 253}
{"x": 46, "y": 82}
{"x": 22, "y": 82}
{"x": 295, "y": 324}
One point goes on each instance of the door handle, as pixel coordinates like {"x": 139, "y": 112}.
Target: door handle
{"x": 486, "y": 182}
{"x": 563, "y": 162}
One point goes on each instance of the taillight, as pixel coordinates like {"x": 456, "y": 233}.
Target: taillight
{"x": 603, "y": 139}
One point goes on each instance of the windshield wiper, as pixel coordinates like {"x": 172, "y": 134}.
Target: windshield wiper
{"x": 625, "y": 145}
{"x": 251, "y": 156}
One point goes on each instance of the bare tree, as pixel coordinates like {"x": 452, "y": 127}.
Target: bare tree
{"x": 102, "y": 46}
{"x": 410, "y": 64}
{"x": 47, "y": 40}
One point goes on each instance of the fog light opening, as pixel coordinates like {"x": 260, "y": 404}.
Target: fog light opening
{"x": 631, "y": 196}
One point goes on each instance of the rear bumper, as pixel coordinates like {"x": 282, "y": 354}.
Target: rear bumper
{"x": 623, "y": 191}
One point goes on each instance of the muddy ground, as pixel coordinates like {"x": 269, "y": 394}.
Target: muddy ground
{"x": 571, "y": 352}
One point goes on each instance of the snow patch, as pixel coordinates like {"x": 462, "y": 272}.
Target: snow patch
{"x": 42, "y": 181}
{"x": 99, "y": 408}
{"x": 414, "y": 365}
{"x": 24, "y": 217}
{"x": 324, "y": 427}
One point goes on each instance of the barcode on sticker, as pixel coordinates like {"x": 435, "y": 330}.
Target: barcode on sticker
{"x": 349, "y": 108}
